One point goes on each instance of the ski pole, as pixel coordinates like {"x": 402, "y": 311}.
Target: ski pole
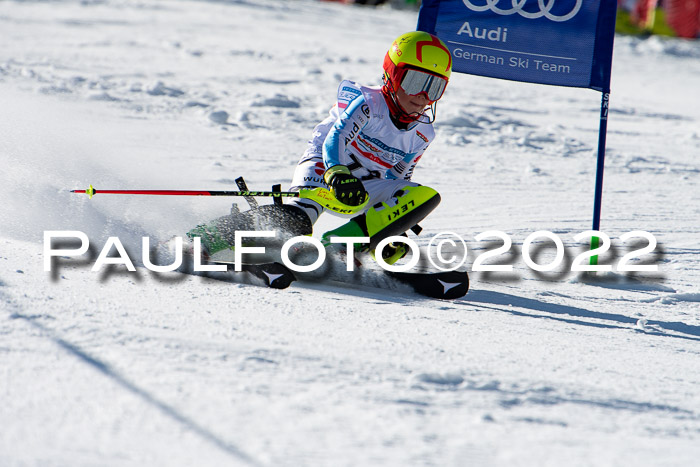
{"x": 320, "y": 195}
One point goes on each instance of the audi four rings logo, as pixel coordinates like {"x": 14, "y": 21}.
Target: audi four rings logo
{"x": 545, "y": 9}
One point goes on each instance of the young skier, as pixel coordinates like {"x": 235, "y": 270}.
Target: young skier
{"x": 367, "y": 148}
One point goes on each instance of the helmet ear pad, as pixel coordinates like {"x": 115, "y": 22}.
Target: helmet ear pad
{"x": 391, "y": 73}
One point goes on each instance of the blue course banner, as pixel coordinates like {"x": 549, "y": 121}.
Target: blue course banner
{"x": 557, "y": 42}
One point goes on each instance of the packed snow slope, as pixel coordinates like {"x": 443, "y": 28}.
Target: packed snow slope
{"x": 529, "y": 369}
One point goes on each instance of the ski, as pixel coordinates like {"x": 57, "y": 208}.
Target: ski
{"x": 447, "y": 285}
{"x": 275, "y": 275}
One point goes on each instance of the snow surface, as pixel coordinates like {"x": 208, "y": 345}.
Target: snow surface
{"x": 529, "y": 369}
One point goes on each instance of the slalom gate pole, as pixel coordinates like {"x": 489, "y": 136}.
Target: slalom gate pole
{"x": 597, "y": 204}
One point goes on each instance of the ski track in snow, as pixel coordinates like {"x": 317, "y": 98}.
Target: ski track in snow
{"x": 118, "y": 368}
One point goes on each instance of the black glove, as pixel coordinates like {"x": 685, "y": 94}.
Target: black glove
{"x": 346, "y": 188}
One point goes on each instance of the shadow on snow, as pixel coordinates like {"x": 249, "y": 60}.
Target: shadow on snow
{"x": 608, "y": 320}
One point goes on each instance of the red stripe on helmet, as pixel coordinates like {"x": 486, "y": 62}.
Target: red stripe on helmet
{"x": 434, "y": 41}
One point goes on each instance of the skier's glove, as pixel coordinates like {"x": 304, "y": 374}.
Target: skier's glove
{"x": 346, "y": 188}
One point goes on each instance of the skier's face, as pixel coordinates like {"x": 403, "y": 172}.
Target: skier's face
{"x": 412, "y": 104}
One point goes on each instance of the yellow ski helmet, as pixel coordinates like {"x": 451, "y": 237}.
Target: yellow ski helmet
{"x": 419, "y": 50}
{"x": 418, "y": 63}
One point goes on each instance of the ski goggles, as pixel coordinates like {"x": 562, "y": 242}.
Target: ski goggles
{"x": 415, "y": 82}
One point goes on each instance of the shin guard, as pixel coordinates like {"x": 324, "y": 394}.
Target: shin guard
{"x": 405, "y": 209}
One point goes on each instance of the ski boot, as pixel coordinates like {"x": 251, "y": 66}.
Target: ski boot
{"x": 392, "y": 252}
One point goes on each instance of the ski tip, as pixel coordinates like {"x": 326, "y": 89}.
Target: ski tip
{"x": 447, "y": 285}
{"x": 274, "y": 275}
